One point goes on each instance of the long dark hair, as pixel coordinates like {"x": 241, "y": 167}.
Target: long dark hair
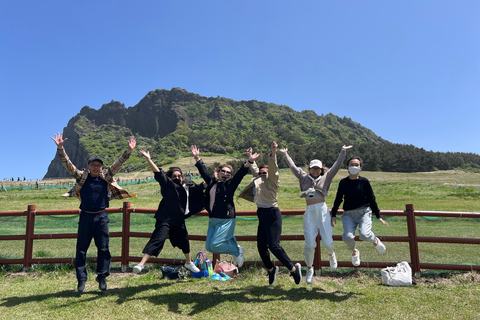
{"x": 171, "y": 170}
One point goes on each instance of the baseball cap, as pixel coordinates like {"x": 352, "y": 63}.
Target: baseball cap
{"x": 315, "y": 163}
{"x": 95, "y": 159}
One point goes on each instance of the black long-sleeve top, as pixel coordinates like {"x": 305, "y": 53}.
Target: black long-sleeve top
{"x": 223, "y": 207}
{"x": 173, "y": 205}
{"x": 356, "y": 194}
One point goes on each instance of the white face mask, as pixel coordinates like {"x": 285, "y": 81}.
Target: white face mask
{"x": 353, "y": 170}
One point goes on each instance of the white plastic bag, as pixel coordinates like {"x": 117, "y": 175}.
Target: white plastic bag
{"x": 398, "y": 276}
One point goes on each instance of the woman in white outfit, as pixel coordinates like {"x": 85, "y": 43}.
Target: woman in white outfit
{"x": 314, "y": 186}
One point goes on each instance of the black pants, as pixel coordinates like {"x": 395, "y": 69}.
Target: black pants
{"x": 268, "y": 237}
{"x": 163, "y": 229}
{"x": 96, "y": 226}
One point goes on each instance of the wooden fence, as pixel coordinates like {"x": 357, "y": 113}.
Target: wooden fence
{"x": 126, "y": 234}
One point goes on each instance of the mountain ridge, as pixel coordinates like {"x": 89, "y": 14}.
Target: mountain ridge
{"x": 167, "y": 122}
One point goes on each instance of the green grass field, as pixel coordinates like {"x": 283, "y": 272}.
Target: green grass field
{"x": 48, "y": 291}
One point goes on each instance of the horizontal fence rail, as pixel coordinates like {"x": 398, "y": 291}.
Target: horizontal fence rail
{"x": 412, "y": 239}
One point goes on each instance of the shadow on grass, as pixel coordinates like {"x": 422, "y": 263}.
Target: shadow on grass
{"x": 200, "y": 302}
{"x": 86, "y": 296}
{"x": 179, "y": 300}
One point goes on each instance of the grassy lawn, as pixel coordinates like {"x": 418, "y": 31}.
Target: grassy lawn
{"x": 48, "y": 291}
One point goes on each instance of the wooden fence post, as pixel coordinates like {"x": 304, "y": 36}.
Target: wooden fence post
{"x": 412, "y": 234}
{"x": 27, "y": 256}
{"x": 125, "y": 236}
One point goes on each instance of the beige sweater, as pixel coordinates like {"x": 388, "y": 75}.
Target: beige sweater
{"x": 265, "y": 186}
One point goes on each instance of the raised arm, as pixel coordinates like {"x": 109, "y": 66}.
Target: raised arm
{"x": 59, "y": 141}
{"x": 200, "y": 165}
{"x": 253, "y": 166}
{"x": 272, "y": 164}
{"x": 252, "y": 158}
{"x": 274, "y": 147}
{"x": 121, "y": 160}
{"x": 336, "y": 166}
{"x": 153, "y": 166}
{"x": 297, "y": 172}
{"x": 195, "y": 152}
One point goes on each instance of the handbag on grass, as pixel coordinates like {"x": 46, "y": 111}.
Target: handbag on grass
{"x": 398, "y": 276}
{"x": 173, "y": 273}
{"x": 226, "y": 267}
{"x": 204, "y": 264}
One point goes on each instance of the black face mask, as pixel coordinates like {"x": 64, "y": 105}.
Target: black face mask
{"x": 177, "y": 181}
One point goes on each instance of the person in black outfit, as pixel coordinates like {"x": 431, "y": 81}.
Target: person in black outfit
{"x": 181, "y": 199}
{"x": 359, "y": 202}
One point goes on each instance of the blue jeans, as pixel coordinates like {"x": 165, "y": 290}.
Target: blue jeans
{"x": 96, "y": 226}
{"x": 220, "y": 238}
{"x": 361, "y": 217}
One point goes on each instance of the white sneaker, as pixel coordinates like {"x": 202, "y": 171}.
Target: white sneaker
{"x": 138, "y": 268}
{"x": 191, "y": 266}
{"x": 241, "y": 257}
{"x": 356, "y": 258}
{"x": 333, "y": 261}
{"x": 380, "y": 246}
{"x": 310, "y": 273}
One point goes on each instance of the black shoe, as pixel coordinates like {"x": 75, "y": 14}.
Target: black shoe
{"x": 102, "y": 283}
{"x": 272, "y": 275}
{"x": 297, "y": 274}
{"x": 81, "y": 286}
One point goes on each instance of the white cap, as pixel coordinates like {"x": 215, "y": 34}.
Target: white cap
{"x": 315, "y": 163}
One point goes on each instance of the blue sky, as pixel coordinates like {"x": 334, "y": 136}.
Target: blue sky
{"x": 407, "y": 70}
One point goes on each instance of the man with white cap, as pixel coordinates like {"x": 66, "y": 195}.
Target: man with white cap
{"x": 314, "y": 186}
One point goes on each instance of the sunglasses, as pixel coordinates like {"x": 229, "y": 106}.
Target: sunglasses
{"x": 225, "y": 172}
{"x": 175, "y": 176}
{"x": 264, "y": 172}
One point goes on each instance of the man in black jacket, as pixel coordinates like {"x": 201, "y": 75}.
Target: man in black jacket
{"x": 180, "y": 199}
{"x": 220, "y": 206}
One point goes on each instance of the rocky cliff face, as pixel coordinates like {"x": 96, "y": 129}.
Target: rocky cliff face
{"x": 155, "y": 116}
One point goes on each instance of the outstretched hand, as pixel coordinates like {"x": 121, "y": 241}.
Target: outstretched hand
{"x": 254, "y": 156}
{"x": 59, "y": 141}
{"x": 131, "y": 144}
{"x": 274, "y": 146}
{"x": 284, "y": 151}
{"x": 346, "y": 147}
{"x": 146, "y": 154}
{"x": 249, "y": 152}
{"x": 195, "y": 152}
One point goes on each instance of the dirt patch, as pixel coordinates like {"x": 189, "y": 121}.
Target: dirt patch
{"x": 449, "y": 279}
